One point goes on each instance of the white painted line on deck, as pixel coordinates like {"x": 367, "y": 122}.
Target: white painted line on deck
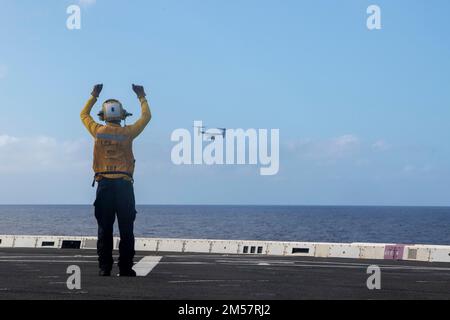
{"x": 145, "y": 265}
{"x": 216, "y": 280}
{"x": 46, "y": 256}
{"x": 187, "y": 262}
{"x": 48, "y": 261}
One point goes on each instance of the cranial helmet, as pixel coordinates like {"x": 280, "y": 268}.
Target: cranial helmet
{"x": 112, "y": 110}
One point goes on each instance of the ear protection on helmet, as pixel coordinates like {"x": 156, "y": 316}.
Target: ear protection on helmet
{"x": 112, "y": 110}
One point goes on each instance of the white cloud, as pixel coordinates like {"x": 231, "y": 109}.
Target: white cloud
{"x": 42, "y": 154}
{"x": 3, "y": 71}
{"x": 6, "y": 140}
{"x": 87, "y": 2}
{"x": 380, "y": 145}
{"x": 410, "y": 169}
{"x": 327, "y": 149}
{"x": 344, "y": 144}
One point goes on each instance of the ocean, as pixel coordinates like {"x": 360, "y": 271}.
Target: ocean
{"x": 420, "y": 225}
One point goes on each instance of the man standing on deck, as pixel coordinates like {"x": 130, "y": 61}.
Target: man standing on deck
{"x": 114, "y": 167}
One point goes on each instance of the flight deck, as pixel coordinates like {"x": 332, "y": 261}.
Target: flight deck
{"x": 27, "y": 273}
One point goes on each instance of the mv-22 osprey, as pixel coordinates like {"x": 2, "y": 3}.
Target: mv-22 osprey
{"x": 211, "y": 133}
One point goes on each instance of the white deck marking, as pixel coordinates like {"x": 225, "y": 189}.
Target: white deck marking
{"x": 187, "y": 262}
{"x": 46, "y": 256}
{"x": 49, "y": 261}
{"x": 216, "y": 280}
{"x": 325, "y": 264}
{"x": 145, "y": 265}
{"x": 152, "y": 261}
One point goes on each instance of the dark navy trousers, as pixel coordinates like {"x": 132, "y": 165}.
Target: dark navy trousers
{"x": 115, "y": 197}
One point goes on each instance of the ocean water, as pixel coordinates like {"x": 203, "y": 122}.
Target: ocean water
{"x": 424, "y": 225}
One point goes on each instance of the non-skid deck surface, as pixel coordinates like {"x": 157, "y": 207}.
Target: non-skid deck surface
{"x": 41, "y": 274}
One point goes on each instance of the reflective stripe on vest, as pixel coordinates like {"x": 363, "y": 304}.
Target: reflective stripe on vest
{"x": 114, "y": 137}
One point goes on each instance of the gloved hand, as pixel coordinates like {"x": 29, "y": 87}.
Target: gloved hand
{"x": 97, "y": 89}
{"x": 139, "y": 90}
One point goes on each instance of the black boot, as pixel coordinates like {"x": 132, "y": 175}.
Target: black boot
{"x": 104, "y": 273}
{"x": 127, "y": 273}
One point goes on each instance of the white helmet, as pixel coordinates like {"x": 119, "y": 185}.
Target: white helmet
{"x": 112, "y": 110}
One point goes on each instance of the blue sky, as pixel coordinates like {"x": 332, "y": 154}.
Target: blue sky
{"x": 363, "y": 115}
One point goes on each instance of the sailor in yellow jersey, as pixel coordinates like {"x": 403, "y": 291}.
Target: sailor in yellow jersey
{"x": 114, "y": 167}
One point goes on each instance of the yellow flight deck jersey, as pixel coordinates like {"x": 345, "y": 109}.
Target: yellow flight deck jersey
{"x": 113, "y": 150}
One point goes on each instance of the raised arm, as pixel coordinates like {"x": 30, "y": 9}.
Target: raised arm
{"x": 85, "y": 114}
{"x": 139, "y": 125}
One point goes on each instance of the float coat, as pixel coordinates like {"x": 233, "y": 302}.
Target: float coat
{"x": 113, "y": 150}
